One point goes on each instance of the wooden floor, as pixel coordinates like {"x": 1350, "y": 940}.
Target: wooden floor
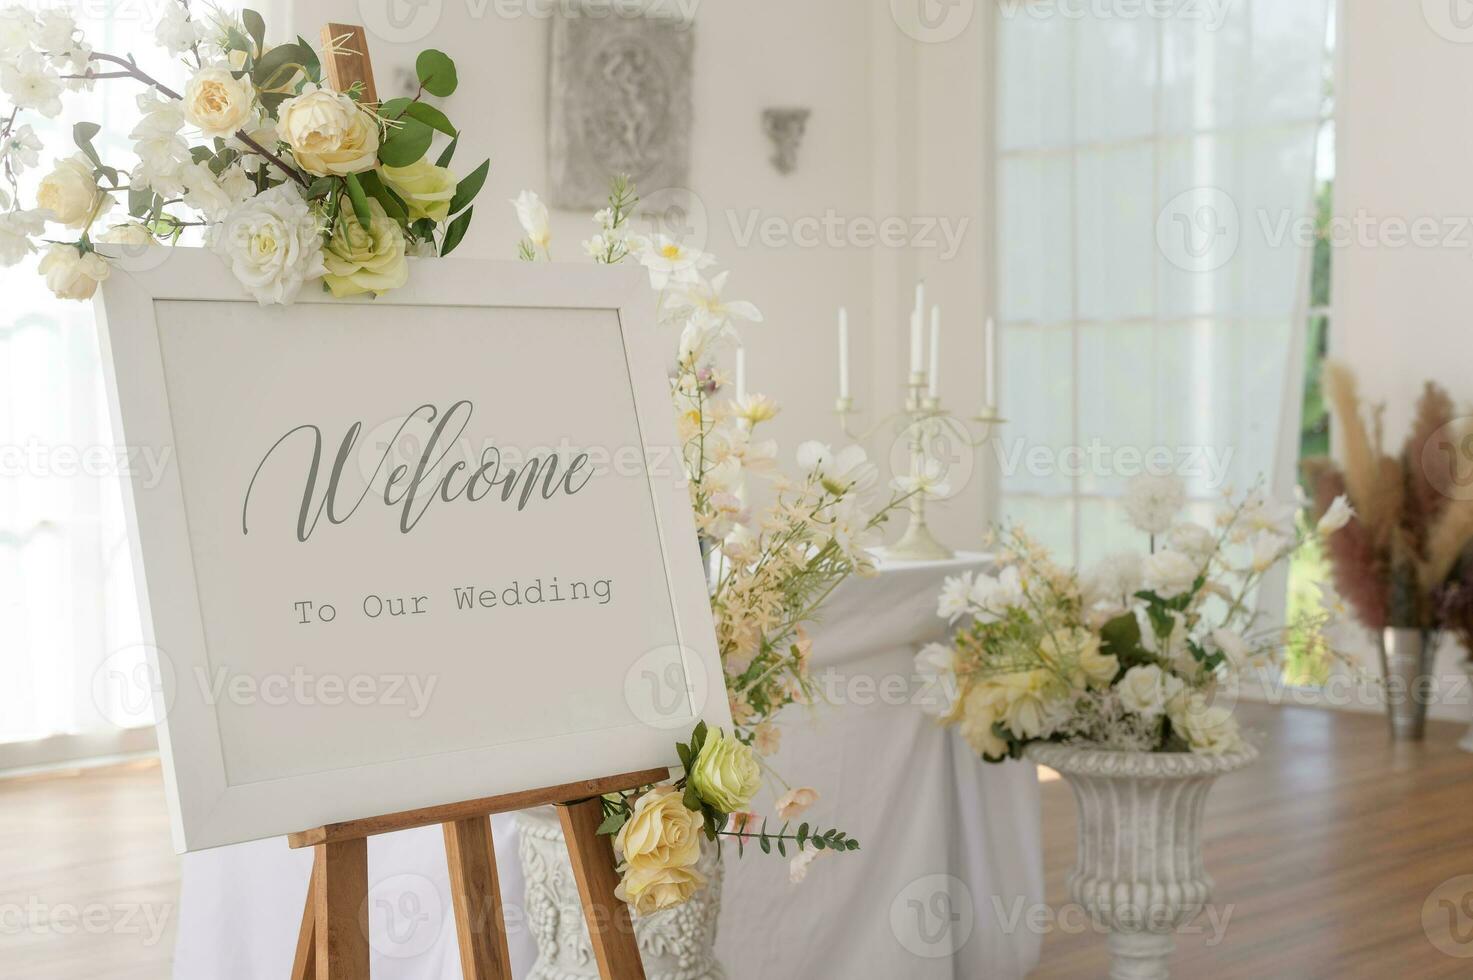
{"x": 1325, "y": 853}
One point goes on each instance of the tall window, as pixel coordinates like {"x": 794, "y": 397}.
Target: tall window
{"x": 1155, "y": 170}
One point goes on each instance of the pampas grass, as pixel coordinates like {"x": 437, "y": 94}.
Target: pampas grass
{"x": 1395, "y": 556}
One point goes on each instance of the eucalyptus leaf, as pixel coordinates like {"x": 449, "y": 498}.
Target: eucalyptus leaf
{"x": 436, "y": 72}
{"x": 255, "y": 26}
{"x": 360, "y": 201}
{"x": 453, "y": 235}
{"x": 280, "y": 60}
{"x": 320, "y": 188}
{"x": 82, "y": 134}
{"x": 468, "y": 187}
{"x": 311, "y": 65}
{"x": 431, "y": 117}
{"x": 406, "y": 144}
{"x": 375, "y": 188}
{"x": 447, "y": 154}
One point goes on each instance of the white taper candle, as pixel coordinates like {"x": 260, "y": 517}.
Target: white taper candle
{"x": 935, "y": 350}
{"x": 917, "y": 352}
{"x": 741, "y": 378}
{"x": 990, "y": 351}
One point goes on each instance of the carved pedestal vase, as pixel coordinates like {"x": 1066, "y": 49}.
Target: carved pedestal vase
{"x": 677, "y": 944}
{"x": 1138, "y": 872}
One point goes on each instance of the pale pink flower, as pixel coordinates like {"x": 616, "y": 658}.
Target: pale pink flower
{"x": 795, "y": 802}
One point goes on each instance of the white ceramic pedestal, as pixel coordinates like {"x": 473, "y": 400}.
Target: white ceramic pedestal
{"x": 677, "y": 944}
{"x": 1138, "y": 871}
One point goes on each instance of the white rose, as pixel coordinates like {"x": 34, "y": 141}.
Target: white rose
{"x": 1192, "y": 539}
{"x": 17, "y": 228}
{"x": 1170, "y": 573}
{"x": 129, "y": 233}
{"x": 1233, "y": 647}
{"x": 70, "y": 192}
{"x": 70, "y": 274}
{"x": 532, "y": 214}
{"x": 273, "y": 243}
{"x": 1209, "y": 729}
{"x": 218, "y": 102}
{"x": 1145, "y": 690}
{"x": 328, "y": 132}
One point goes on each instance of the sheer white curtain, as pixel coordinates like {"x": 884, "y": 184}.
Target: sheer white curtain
{"x": 70, "y": 659}
{"x": 1155, "y": 167}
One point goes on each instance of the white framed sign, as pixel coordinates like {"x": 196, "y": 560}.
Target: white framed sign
{"x": 408, "y": 551}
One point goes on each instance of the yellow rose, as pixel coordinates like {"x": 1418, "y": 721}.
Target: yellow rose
{"x": 70, "y": 192}
{"x": 979, "y": 710}
{"x": 725, "y": 774}
{"x": 649, "y": 890}
{"x": 360, "y": 261}
{"x": 70, "y": 274}
{"x": 218, "y": 102}
{"x": 328, "y": 132}
{"x": 660, "y": 832}
{"x": 425, "y": 188}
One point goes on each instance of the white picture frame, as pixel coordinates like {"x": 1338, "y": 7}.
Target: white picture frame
{"x": 175, "y": 371}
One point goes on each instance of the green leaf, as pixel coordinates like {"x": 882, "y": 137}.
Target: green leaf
{"x": 765, "y": 843}
{"x": 431, "y": 117}
{"x": 310, "y": 65}
{"x": 683, "y": 750}
{"x": 781, "y": 849}
{"x": 201, "y": 154}
{"x": 802, "y": 832}
{"x": 272, "y": 101}
{"x": 236, "y": 41}
{"x": 466, "y": 191}
{"x": 394, "y": 108}
{"x": 82, "y": 134}
{"x": 255, "y": 26}
{"x": 140, "y": 201}
{"x": 406, "y": 143}
{"x": 436, "y": 72}
{"x": 360, "y": 201}
{"x": 281, "y": 60}
{"x": 818, "y": 843}
{"x": 613, "y": 822}
{"x": 320, "y": 187}
{"x": 448, "y": 153}
{"x": 453, "y": 235}
{"x": 374, "y": 188}
{"x": 692, "y": 799}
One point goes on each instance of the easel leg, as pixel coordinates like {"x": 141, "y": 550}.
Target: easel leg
{"x": 609, "y": 926}
{"x": 340, "y": 897}
{"x": 480, "y": 925}
{"x": 304, "y": 964}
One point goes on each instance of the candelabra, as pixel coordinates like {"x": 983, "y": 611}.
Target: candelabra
{"x": 927, "y": 427}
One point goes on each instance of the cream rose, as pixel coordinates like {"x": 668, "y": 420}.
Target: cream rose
{"x": 660, "y": 832}
{"x": 979, "y": 714}
{"x": 725, "y": 774}
{"x": 70, "y": 274}
{"x": 426, "y": 189}
{"x": 70, "y": 192}
{"x": 218, "y": 102}
{"x": 273, "y": 243}
{"x": 365, "y": 261}
{"x": 1170, "y": 573}
{"x": 328, "y": 132}
{"x": 1145, "y": 690}
{"x": 649, "y": 890}
{"x": 1208, "y": 729}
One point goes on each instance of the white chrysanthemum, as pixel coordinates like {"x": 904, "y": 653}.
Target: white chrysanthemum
{"x": 273, "y": 243}
{"x": 1152, "y": 502}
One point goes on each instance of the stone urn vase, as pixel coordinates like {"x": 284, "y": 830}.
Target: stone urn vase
{"x": 1138, "y": 872}
{"x": 677, "y": 944}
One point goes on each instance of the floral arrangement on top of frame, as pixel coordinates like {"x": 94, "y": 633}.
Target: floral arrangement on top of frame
{"x": 291, "y": 181}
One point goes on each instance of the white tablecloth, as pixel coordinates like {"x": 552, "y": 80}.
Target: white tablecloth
{"x": 950, "y": 854}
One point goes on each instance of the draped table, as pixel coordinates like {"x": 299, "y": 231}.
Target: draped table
{"x": 949, "y": 867}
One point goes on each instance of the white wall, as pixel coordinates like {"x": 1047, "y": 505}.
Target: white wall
{"x": 1405, "y": 151}
{"x": 856, "y": 70}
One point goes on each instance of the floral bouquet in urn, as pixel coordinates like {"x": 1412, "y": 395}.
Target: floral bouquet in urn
{"x": 290, "y": 180}
{"x": 1134, "y": 654}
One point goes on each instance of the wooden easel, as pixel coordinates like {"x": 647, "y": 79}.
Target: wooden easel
{"x": 333, "y": 941}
